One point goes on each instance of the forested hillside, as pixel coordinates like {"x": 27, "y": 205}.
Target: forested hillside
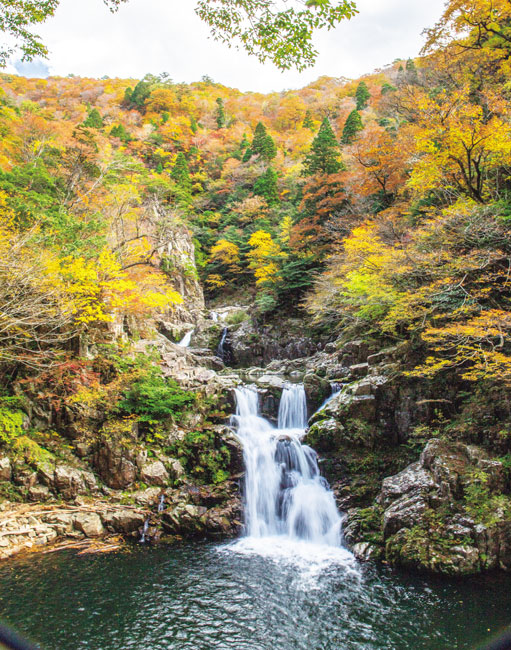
{"x": 374, "y": 209}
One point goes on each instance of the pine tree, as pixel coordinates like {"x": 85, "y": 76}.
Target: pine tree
{"x": 119, "y": 131}
{"x": 136, "y": 97}
{"x": 263, "y": 144}
{"x": 362, "y": 95}
{"x": 410, "y": 66}
{"x": 308, "y": 122}
{"x": 411, "y": 71}
{"x": 180, "y": 172}
{"x": 244, "y": 142}
{"x": 193, "y": 124}
{"x": 248, "y": 155}
{"x": 159, "y": 168}
{"x": 387, "y": 88}
{"x": 259, "y": 136}
{"x": 267, "y": 187}
{"x": 94, "y": 120}
{"x": 352, "y": 126}
{"x": 324, "y": 155}
{"x": 220, "y": 113}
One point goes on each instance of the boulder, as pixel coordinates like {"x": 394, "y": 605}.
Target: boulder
{"x": 147, "y": 497}
{"x": 155, "y": 473}
{"x": 39, "y": 493}
{"x": 70, "y": 482}
{"x": 89, "y": 523}
{"x": 5, "y": 469}
{"x": 123, "y": 520}
{"x": 317, "y": 390}
{"x": 412, "y": 480}
{"x": 359, "y": 370}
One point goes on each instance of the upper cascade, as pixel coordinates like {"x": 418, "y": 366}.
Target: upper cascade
{"x": 285, "y": 495}
{"x": 293, "y": 408}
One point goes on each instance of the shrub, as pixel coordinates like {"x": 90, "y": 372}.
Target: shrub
{"x": 151, "y": 397}
{"x": 11, "y": 425}
{"x": 203, "y": 455}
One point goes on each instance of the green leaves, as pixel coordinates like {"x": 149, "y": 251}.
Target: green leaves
{"x": 282, "y": 36}
{"x": 16, "y": 17}
{"x": 324, "y": 156}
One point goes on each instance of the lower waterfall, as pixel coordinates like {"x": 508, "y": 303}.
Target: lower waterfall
{"x": 285, "y": 495}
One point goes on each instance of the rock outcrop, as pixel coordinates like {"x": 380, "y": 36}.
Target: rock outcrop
{"x": 450, "y": 512}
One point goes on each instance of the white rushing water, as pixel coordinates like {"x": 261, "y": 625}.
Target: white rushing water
{"x": 285, "y": 495}
{"x": 186, "y": 340}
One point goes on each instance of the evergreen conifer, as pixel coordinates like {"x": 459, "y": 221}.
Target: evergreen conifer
{"x": 352, "y": 126}
{"x": 94, "y": 120}
{"x": 324, "y": 155}
{"x": 220, "y": 113}
{"x": 307, "y": 121}
{"x": 180, "y": 172}
{"x": 263, "y": 144}
{"x": 119, "y": 131}
{"x": 362, "y": 95}
{"x": 266, "y": 186}
{"x": 248, "y": 155}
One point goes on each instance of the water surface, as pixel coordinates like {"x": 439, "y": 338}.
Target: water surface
{"x": 257, "y": 595}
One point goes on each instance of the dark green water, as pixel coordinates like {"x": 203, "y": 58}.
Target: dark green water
{"x": 200, "y": 597}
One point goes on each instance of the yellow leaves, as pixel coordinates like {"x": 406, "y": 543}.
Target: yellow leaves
{"x": 264, "y": 256}
{"x": 96, "y": 290}
{"x": 459, "y": 141}
{"x": 285, "y": 229}
{"x": 475, "y": 345}
{"x": 225, "y": 252}
{"x": 214, "y": 280}
{"x": 6, "y": 218}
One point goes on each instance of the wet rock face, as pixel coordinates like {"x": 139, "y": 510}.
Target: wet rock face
{"x": 450, "y": 512}
{"x": 317, "y": 390}
{"x": 258, "y": 345}
{"x": 115, "y": 464}
{"x": 204, "y": 511}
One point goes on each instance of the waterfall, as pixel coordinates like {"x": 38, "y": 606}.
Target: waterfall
{"x": 144, "y": 531}
{"x": 285, "y": 495}
{"x": 220, "y": 349}
{"x": 293, "y": 408}
{"x": 186, "y": 340}
{"x": 224, "y": 349}
{"x": 336, "y": 389}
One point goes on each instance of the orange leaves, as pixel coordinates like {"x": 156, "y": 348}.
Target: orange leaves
{"x": 381, "y": 162}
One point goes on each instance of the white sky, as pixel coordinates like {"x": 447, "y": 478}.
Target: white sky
{"x": 166, "y": 36}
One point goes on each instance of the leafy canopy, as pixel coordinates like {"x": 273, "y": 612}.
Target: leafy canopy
{"x": 271, "y": 30}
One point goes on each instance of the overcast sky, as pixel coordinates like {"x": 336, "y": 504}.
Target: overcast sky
{"x": 166, "y": 36}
